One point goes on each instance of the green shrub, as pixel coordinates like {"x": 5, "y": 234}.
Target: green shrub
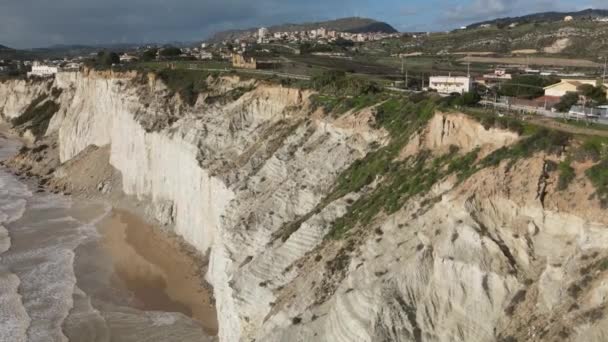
{"x": 338, "y": 83}
{"x": 527, "y": 86}
{"x": 566, "y": 175}
{"x": 592, "y": 149}
{"x": 566, "y": 102}
{"x": 598, "y": 174}
{"x": 37, "y": 116}
{"x": 187, "y": 83}
{"x": 546, "y": 140}
{"x": 464, "y": 166}
{"x": 471, "y": 98}
{"x": 230, "y": 96}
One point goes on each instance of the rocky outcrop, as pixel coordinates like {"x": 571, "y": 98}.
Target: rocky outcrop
{"x": 478, "y": 259}
{"x": 446, "y": 130}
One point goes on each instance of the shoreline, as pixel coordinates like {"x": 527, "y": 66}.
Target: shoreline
{"x": 128, "y": 215}
{"x": 161, "y": 274}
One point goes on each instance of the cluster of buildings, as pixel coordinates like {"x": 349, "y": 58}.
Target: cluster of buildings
{"x": 50, "y": 68}
{"x": 462, "y": 84}
{"x": 320, "y": 35}
{"x": 43, "y": 70}
{"x": 543, "y": 104}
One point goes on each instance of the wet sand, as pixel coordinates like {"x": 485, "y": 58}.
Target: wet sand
{"x": 160, "y": 272}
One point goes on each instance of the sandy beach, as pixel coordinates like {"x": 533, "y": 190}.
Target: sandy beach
{"x": 159, "y": 270}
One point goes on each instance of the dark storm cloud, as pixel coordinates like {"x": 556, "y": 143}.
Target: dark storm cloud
{"x": 27, "y": 23}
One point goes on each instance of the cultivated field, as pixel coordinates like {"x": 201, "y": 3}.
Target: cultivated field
{"x": 541, "y": 61}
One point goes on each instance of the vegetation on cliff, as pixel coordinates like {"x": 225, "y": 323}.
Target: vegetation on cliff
{"x": 37, "y": 116}
{"x": 187, "y": 83}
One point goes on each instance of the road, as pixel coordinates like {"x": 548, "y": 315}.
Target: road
{"x": 253, "y": 72}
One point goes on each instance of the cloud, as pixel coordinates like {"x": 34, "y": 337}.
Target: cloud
{"x": 35, "y": 23}
{"x": 478, "y": 10}
{"x": 27, "y": 23}
{"x": 409, "y": 12}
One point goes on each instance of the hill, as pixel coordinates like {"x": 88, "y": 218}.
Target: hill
{"x": 577, "y": 39}
{"x": 4, "y": 48}
{"x": 544, "y": 17}
{"x": 351, "y": 25}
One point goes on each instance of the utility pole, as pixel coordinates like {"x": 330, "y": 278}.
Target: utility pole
{"x": 404, "y": 72}
{"x": 604, "y": 76}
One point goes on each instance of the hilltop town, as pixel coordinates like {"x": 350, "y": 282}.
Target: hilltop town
{"x": 530, "y": 63}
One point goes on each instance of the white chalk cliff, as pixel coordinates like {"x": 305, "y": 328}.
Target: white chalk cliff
{"x": 485, "y": 259}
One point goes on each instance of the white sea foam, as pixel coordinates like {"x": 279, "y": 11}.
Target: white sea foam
{"x": 39, "y": 299}
{"x": 37, "y": 242}
{"x": 5, "y": 240}
{"x": 14, "y": 320}
{"x": 42, "y": 256}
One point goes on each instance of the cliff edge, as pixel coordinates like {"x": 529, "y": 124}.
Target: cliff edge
{"x": 392, "y": 222}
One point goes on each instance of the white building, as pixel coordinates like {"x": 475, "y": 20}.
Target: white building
{"x": 72, "y": 66}
{"x": 451, "y": 84}
{"x": 262, "y": 32}
{"x": 499, "y": 74}
{"x": 41, "y": 70}
{"x": 205, "y": 55}
{"x": 126, "y": 58}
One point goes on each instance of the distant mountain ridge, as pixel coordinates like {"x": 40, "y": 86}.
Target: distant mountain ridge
{"x": 544, "y": 17}
{"x": 2, "y": 47}
{"x": 351, "y": 25}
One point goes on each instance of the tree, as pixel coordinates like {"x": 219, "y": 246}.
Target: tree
{"x": 502, "y": 25}
{"x": 170, "y": 52}
{"x": 597, "y": 94}
{"x": 328, "y": 78}
{"x": 567, "y": 101}
{"x": 149, "y": 55}
{"x": 527, "y": 86}
{"x": 107, "y": 58}
{"x": 470, "y": 98}
{"x": 344, "y": 43}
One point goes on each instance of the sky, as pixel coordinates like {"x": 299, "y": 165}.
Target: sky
{"x": 42, "y": 23}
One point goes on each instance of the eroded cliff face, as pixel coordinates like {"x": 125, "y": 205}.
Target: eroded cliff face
{"x": 500, "y": 255}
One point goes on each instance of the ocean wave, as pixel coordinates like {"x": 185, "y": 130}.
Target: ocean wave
{"x": 40, "y": 254}
{"x": 5, "y": 240}
{"x": 14, "y": 320}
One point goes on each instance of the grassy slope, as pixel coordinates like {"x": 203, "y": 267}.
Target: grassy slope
{"x": 589, "y": 40}
{"x": 398, "y": 181}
